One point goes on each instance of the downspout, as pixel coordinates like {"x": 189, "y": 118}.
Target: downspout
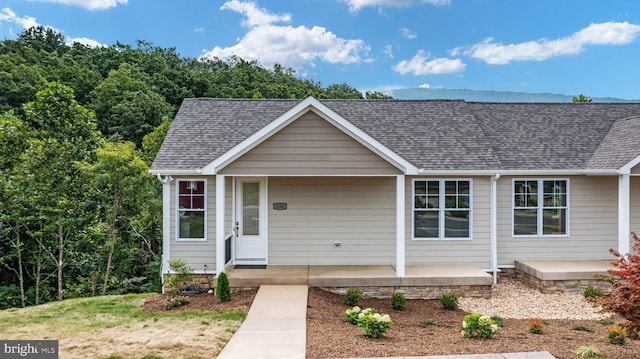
{"x": 166, "y": 225}
{"x": 494, "y": 226}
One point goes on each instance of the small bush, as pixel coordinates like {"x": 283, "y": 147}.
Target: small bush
{"x": 625, "y": 285}
{"x": 353, "y": 296}
{"x": 428, "y": 322}
{"x": 182, "y": 273}
{"x": 617, "y": 335}
{"x": 398, "y": 301}
{"x": 175, "y": 302}
{"x": 449, "y": 300}
{"x": 591, "y": 292}
{"x": 588, "y": 352}
{"x": 223, "y": 291}
{"x": 535, "y": 326}
{"x": 373, "y": 324}
{"x": 480, "y": 326}
{"x": 583, "y": 328}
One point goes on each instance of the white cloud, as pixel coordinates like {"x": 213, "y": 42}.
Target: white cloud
{"x": 388, "y": 51}
{"x": 421, "y": 65}
{"x": 8, "y": 15}
{"x": 90, "y": 4}
{"x": 356, "y": 5}
{"x": 85, "y": 41}
{"x": 425, "y": 86}
{"x": 284, "y": 44}
{"x": 407, "y": 33}
{"x": 198, "y": 29}
{"x": 608, "y": 33}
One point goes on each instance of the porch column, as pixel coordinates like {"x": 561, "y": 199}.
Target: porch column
{"x": 400, "y": 231}
{"x": 166, "y": 226}
{"x": 494, "y": 226}
{"x": 624, "y": 194}
{"x": 220, "y": 190}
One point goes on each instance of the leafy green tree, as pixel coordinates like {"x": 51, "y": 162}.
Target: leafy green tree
{"x": 375, "y": 95}
{"x": 118, "y": 174}
{"x": 342, "y": 91}
{"x": 152, "y": 141}
{"x": 581, "y": 98}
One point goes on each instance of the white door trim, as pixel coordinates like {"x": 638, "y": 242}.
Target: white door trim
{"x": 239, "y": 253}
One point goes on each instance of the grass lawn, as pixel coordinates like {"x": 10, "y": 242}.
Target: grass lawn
{"x": 117, "y": 327}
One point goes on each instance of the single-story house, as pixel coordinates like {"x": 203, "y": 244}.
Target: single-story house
{"x": 400, "y": 183}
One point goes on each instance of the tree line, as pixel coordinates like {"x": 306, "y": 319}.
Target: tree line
{"x": 79, "y": 128}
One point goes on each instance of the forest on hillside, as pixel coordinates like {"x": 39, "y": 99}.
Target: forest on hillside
{"x": 79, "y": 128}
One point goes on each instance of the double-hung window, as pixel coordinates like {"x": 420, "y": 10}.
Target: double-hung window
{"x": 192, "y": 208}
{"x": 540, "y": 207}
{"x": 441, "y": 209}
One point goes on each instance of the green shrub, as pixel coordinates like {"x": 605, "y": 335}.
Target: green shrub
{"x": 617, "y": 335}
{"x": 588, "y": 352}
{"x": 607, "y": 321}
{"x": 583, "y": 328}
{"x": 223, "y": 291}
{"x": 476, "y": 325}
{"x": 398, "y": 301}
{"x": 352, "y": 315}
{"x": 591, "y": 292}
{"x": 175, "y": 302}
{"x": 428, "y": 322}
{"x": 182, "y": 273}
{"x": 372, "y": 323}
{"x": 353, "y": 296}
{"x": 498, "y": 321}
{"x": 449, "y": 300}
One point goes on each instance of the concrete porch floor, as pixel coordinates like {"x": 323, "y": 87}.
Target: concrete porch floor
{"x": 360, "y": 275}
{"x": 564, "y": 269}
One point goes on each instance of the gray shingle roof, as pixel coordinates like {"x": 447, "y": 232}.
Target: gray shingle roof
{"x": 431, "y": 134}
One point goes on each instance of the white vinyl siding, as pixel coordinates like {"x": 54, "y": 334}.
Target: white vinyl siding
{"x": 593, "y": 223}
{"x": 476, "y": 251}
{"x": 310, "y": 146}
{"x": 196, "y": 253}
{"x": 357, "y": 212}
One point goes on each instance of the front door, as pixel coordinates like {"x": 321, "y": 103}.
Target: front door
{"x": 251, "y": 221}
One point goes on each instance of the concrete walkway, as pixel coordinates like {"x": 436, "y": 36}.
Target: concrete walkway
{"x": 275, "y": 327}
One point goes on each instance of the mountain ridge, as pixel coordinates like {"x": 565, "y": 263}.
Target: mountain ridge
{"x": 490, "y": 96}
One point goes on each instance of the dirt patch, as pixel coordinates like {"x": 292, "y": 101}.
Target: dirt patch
{"x": 329, "y": 335}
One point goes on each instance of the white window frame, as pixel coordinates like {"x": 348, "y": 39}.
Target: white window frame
{"x": 540, "y": 208}
{"x": 441, "y": 209}
{"x": 204, "y": 211}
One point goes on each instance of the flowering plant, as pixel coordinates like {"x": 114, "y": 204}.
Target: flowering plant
{"x": 479, "y": 326}
{"x": 352, "y": 314}
{"x": 175, "y": 302}
{"x": 372, "y": 323}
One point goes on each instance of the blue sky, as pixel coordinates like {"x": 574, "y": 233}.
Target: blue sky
{"x": 567, "y": 47}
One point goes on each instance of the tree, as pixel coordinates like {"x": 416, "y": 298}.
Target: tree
{"x": 375, "y": 95}
{"x": 581, "y": 98}
{"x": 118, "y": 174}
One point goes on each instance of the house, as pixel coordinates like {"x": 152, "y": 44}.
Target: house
{"x": 397, "y": 183}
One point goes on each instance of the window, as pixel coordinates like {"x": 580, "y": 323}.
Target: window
{"x": 192, "y": 209}
{"x": 441, "y": 209}
{"x": 540, "y": 207}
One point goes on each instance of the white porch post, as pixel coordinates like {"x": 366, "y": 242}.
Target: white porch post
{"x": 220, "y": 191}
{"x": 400, "y": 231}
{"x": 624, "y": 194}
{"x": 166, "y": 226}
{"x": 494, "y": 226}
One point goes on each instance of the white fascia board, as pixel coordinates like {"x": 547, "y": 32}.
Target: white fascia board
{"x": 170, "y": 172}
{"x": 626, "y": 169}
{"x": 310, "y": 103}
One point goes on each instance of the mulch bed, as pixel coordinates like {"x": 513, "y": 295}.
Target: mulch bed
{"x": 204, "y": 301}
{"x": 329, "y": 335}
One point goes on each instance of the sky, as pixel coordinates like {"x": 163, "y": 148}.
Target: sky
{"x": 569, "y": 47}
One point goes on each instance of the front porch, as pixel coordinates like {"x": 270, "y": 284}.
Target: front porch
{"x": 427, "y": 281}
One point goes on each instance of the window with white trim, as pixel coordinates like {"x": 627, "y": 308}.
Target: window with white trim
{"x": 441, "y": 209}
{"x": 540, "y": 207}
{"x": 192, "y": 209}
